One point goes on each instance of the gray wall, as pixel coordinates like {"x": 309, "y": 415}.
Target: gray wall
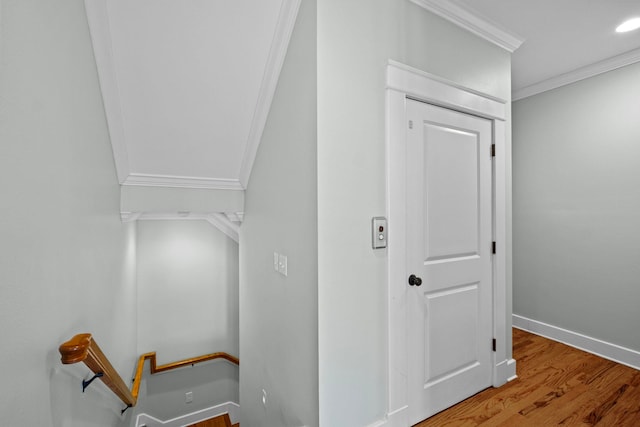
{"x": 278, "y": 325}
{"x": 162, "y": 395}
{"x": 187, "y": 305}
{"x": 576, "y": 162}
{"x": 187, "y": 280}
{"x": 355, "y": 41}
{"x": 67, "y": 263}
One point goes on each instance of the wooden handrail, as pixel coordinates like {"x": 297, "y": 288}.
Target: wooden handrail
{"x": 82, "y": 348}
{"x": 154, "y": 368}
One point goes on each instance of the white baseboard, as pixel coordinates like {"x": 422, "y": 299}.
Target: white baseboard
{"x": 616, "y": 353}
{"x": 232, "y": 408}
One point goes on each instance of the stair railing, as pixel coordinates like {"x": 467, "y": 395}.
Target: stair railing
{"x": 83, "y": 348}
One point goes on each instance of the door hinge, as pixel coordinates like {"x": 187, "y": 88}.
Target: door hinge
{"x": 493, "y": 344}
{"x": 493, "y": 247}
{"x": 493, "y": 150}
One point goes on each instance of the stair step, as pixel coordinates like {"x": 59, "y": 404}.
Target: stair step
{"x": 219, "y": 421}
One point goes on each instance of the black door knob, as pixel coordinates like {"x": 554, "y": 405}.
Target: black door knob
{"x": 414, "y": 280}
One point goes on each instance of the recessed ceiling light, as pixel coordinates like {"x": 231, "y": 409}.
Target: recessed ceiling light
{"x": 629, "y": 25}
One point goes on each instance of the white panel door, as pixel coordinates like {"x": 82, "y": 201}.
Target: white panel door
{"x": 449, "y": 246}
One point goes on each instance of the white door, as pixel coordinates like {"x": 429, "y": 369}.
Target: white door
{"x": 449, "y": 247}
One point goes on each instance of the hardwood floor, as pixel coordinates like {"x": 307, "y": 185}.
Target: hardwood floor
{"x": 556, "y": 385}
{"x": 220, "y": 421}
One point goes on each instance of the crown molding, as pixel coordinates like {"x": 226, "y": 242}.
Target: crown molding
{"x": 229, "y": 228}
{"x": 277, "y": 53}
{"x": 582, "y": 73}
{"x": 472, "y": 22}
{"x": 150, "y": 180}
{"x": 100, "y": 31}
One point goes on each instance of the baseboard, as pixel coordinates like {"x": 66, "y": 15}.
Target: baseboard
{"x": 232, "y": 408}
{"x": 616, "y": 353}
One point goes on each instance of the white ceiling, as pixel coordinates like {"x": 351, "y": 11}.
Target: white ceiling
{"x": 187, "y": 85}
{"x": 560, "y": 36}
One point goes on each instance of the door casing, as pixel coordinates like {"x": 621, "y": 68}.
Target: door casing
{"x": 405, "y": 82}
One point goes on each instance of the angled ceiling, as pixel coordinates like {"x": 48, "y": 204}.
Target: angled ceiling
{"x": 187, "y": 85}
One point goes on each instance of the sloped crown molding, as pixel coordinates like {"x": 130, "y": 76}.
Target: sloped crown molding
{"x": 277, "y": 54}
{"x": 471, "y": 22}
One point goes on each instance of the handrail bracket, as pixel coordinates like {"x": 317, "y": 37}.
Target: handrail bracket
{"x": 86, "y": 384}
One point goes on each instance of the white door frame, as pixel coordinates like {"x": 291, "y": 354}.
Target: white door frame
{"x": 405, "y": 82}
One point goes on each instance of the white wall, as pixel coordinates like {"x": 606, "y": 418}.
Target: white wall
{"x": 187, "y": 279}
{"x": 576, "y": 161}
{"x": 67, "y": 263}
{"x": 279, "y": 318}
{"x": 187, "y": 306}
{"x": 355, "y": 41}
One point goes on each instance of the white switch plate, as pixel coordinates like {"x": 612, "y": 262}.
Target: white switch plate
{"x": 188, "y": 397}
{"x": 276, "y": 260}
{"x": 282, "y": 264}
{"x": 285, "y": 269}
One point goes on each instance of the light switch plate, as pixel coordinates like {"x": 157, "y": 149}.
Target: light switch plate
{"x": 282, "y": 264}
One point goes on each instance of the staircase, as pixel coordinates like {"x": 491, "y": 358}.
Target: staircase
{"x": 219, "y": 421}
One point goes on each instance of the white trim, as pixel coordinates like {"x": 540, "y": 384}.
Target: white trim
{"x": 473, "y": 22}
{"x": 404, "y": 82}
{"x": 499, "y": 260}
{"x": 235, "y": 216}
{"x": 397, "y": 418}
{"x": 129, "y": 216}
{"x": 218, "y": 220}
{"x": 614, "y": 352}
{"x": 277, "y": 54}
{"x": 511, "y": 370}
{"x": 100, "y": 30}
{"x": 232, "y": 408}
{"x": 427, "y": 87}
{"x": 574, "y": 76}
{"x": 505, "y": 371}
{"x": 150, "y": 180}
{"x": 222, "y": 223}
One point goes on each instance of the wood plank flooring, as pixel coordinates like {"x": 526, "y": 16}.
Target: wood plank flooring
{"x": 220, "y": 421}
{"x": 556, "y": 385}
